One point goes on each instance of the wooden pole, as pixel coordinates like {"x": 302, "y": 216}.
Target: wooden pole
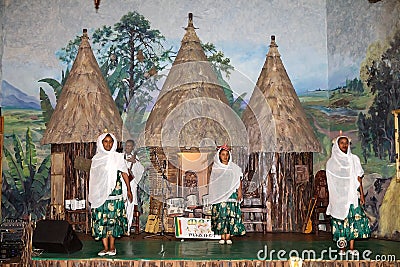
{"x": 1, "y": 157}
{"x": 397, "y": 142}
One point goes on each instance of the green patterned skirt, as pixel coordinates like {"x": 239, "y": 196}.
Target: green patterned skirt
{"x": 110, "y": 218}
{"x": 355, "y": 225}
{"x": 226, "y": 218}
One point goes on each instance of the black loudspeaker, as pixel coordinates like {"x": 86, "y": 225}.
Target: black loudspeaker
{"x": 55, "y": 236}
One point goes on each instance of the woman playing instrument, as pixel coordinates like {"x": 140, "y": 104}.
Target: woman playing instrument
{"x": 225, "y": 194}
{"x": 346, "y": 196}
{"x": 107, "y": 171}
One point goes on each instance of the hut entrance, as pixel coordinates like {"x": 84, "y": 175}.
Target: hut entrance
{"x": 194, "y": 175}
{"x": 180, "y": 180}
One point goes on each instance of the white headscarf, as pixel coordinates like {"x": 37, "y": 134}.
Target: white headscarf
{"x": 224, "y": 180}
{"x": 342, "y": 170}
{"x": 103, "y": 171}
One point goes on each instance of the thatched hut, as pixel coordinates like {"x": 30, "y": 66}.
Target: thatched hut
{"x": 281, "y": 146}
{"x": 84, "y": 110}
{"x": 190, "y": 117}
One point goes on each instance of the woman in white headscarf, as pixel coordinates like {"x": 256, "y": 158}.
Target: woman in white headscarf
{"x": 346, "y": 197}
{"x": 225, "y": 194}
{"x": 107, "y": 171}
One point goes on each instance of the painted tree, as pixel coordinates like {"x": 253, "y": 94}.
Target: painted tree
{"x": 383, "y": 79}
{"x": 364, "y": 135}
{"x": 355, "y": 86}
{"x": 136, "y": 52}
{"x": 130, "y": 54}
{"x": 26, "y": 185}
{"x": 45, "y": 103}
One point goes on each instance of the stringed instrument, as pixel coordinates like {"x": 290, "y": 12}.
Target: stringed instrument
{"x": 307, "y": 227}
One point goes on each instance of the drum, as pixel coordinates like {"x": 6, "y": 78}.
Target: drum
{"x": 175, "y": 206}
{"x": 206, "y": 205}
{"x": 191, "y": 201}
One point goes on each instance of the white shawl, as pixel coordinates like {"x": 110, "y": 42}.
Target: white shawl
{"x": 103, "y": 172}
{"x": 342, "y": 171}
{"x": 224, "y": 180}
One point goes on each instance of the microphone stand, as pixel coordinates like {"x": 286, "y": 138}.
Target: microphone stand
{"x": 162, "y": 234}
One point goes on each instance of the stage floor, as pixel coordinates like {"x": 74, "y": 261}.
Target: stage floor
{"x": 253, "y": 246}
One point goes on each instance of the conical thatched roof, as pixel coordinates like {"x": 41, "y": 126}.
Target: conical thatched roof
{"x": 192, "y": 109}
{"x": 274, "y": 118}
{"x": 85, "y": 107}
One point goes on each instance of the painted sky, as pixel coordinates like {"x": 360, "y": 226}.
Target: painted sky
{"x": 35, "y": 30}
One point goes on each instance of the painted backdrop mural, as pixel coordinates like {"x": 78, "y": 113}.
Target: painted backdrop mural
{"x": 337, "y": 54}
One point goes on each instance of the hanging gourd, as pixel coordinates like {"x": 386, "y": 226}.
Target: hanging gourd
{"x": 140, "y": 56}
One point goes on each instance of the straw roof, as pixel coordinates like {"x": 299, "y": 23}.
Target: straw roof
{"x": 274, "y": 118}
{"x": 85, "y": 107}
{"x": 192, "y": 109}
